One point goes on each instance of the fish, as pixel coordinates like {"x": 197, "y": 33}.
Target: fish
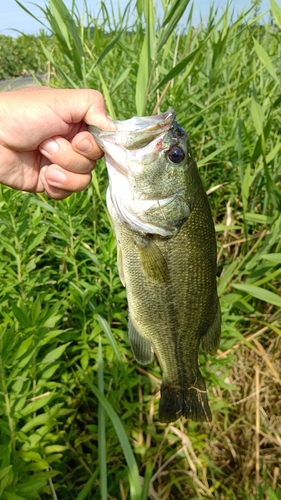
{"x": 166, "y": 255}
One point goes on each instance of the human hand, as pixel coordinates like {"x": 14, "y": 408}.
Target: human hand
{"x": 44, "y": 143}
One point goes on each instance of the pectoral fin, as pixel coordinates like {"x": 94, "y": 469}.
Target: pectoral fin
{"x": 211, "y": 340}
{"x": 153, "y": 262}
{"x": 141, "y": 348}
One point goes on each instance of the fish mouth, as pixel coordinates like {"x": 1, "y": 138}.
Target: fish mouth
{"x": 137, "y": 124}
{"x": 146, "y": 123}
{"x": 127, "y": 149}
{"x": 131, "y": 135}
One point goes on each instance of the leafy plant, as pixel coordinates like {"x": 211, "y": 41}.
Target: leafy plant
{"x": 22, "y": 56}
{"x": 78, "y": 415}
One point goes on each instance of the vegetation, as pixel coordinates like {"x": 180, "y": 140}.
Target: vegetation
{"x": 78, "y": 415}
{"x": 22, "y": 56}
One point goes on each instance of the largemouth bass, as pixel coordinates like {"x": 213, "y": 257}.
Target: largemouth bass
{"x": 166, "y": 255}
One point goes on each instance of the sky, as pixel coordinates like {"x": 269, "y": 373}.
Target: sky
{"x": 12, "y": 17}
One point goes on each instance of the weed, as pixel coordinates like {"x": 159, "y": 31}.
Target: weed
{"x": 78, "y": 416}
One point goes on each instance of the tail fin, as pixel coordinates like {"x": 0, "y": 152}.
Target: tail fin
{"x": 190, "y": 402}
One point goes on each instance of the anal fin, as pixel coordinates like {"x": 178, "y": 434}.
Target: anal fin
{"x": 141, "y": 348}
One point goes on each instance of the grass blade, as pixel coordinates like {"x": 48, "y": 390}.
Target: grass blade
{"x": 69, "y": 32}
{"x": 146, "y": 58}
{"x": 87, "y": 488}
{"x": 266, "y": 60}
{"x": 171, "y": 21}
{"x": 31, "y": 14}
{"x": 108, "y": 48}
{"x": 146, "y": 483}
{"x": 107, "y": 96}
{"x": 107, "y": 330}
{"x": 64, "y": 75}
{"x": 101, "y": 429}
{"x": 276, "y": 11}
{"x": 260, "y": 293}
{"x": 135, "y": 486}
{"x": 272, "y": 257}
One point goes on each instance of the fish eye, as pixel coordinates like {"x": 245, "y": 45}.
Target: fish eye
{"x": 176, "y": 154}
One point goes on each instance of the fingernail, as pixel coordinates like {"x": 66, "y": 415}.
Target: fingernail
{"x": 49, "y": 146}
{"x": 84, "y": 145}
{"x": 56, "y": 176}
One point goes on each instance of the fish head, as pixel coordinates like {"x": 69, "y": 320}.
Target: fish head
{"x": 147, "y": 160}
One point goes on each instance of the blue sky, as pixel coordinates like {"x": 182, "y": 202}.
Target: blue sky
{"x": 13, "y": 17}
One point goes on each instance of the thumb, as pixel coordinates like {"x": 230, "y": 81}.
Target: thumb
{"x": 83, "y": 105}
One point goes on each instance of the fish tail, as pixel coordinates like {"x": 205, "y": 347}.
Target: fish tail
{"x": 190, "y": 402}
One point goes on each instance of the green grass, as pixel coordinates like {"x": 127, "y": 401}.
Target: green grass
{"x": 78, "y": 416}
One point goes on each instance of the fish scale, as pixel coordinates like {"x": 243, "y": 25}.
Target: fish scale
{"x": 166, "y": 258}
